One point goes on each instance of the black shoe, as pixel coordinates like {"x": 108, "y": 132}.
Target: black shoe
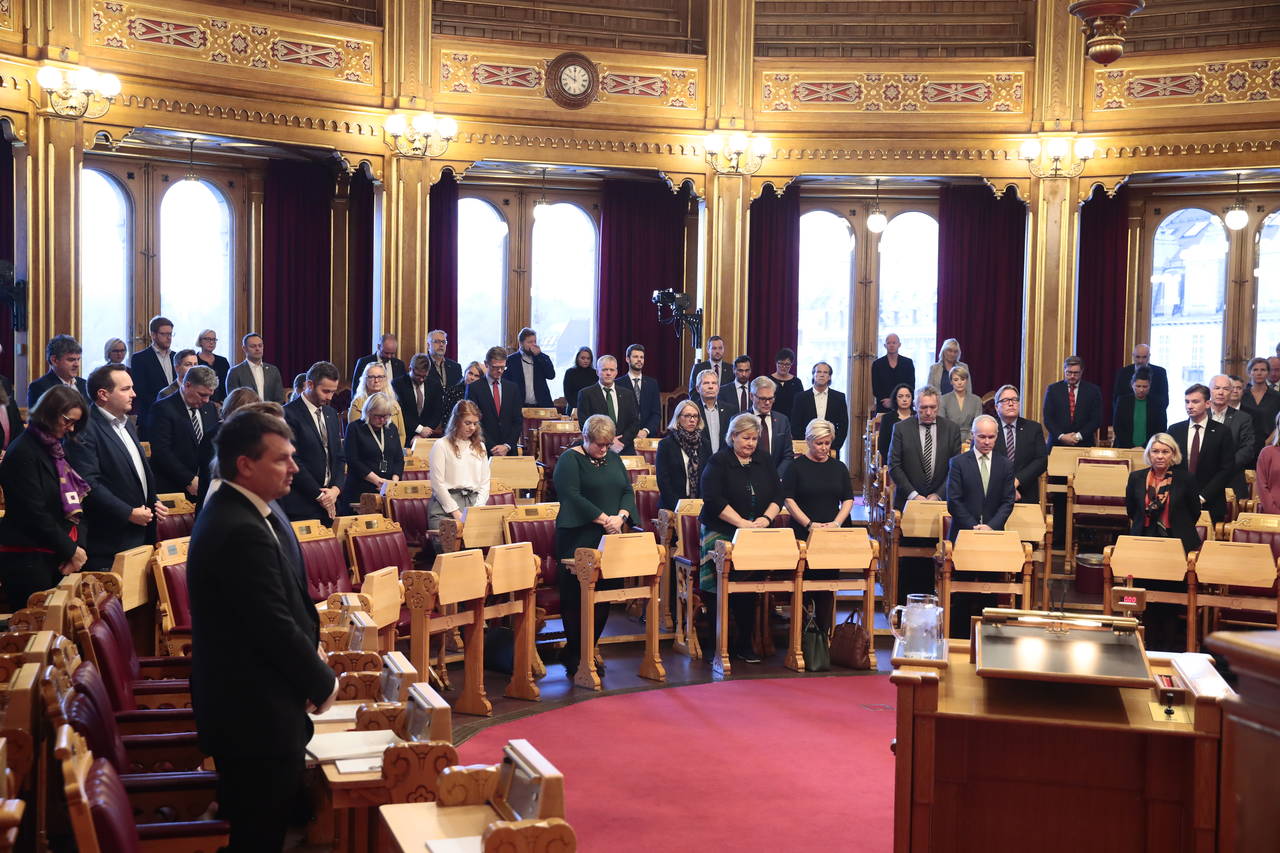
{"x": 747, "y": 656}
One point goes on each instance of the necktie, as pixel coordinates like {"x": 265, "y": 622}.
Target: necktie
{"x": 417, "y": 393}
{"x": 1195, "y": 451}
{"x": 984, "y": 471}
{"x": 928, "y": 452}
{"x": 497, "y": 399}
{"x": 1071, "y": 402}
{"x": 636, "y": 382}
{"x": 324, "y": 442}
{"x": 742, "y": 399}
{"x": 195, "y": 425}
{"x": 284, "y": 539}
{"x": 764, "y": 435}
{"x": 1009, "y": 441}
{"x": 608, "y": 405}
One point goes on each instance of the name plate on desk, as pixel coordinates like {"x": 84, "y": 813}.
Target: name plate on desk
{"x": 1061, "y": 647}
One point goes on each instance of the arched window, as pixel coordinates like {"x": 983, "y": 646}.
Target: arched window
{"x": 104, "y": 264}
{"x": 1188, "y": 297}
{"x": 826, "y": 273}
{"x": 565, "y": 272}
{"x": 482, "y": 278}
{"x": 1268, "y": 273}
{"x": 196, "y": 260}
{"x": 909, "y": 287}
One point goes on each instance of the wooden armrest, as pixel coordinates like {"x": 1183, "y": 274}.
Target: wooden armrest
{"x": 188, "y": 829}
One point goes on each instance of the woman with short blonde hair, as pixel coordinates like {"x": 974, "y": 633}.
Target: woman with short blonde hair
{"x": 374, "y": 449}
{"x": 940, "y": 370}
{"x": 681, "y": 455}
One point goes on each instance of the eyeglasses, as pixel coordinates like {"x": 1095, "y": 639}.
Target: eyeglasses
{"x": 1008, "y": 400}
{"x": 69, "y": 421}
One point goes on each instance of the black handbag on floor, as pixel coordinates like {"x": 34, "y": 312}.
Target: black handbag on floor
{"x": 817, "y": 654}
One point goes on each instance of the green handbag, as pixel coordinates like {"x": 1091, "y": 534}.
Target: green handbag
{"x": 817, "y": 653}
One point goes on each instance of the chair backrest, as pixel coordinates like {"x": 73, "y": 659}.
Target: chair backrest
{"x": 407, "y": 503}
{"x": 1256, "y": 527}
{"x": 765, "y": 549}
{"x": 922, "y": 519}
{"x": 421, "y": 447}
{"x": 461, "y": 576}
{"x": 533, "y": 417}
{"x": 629, "y": 555}
{"x": 648, "y": 498}
{"x": 518, "y": 472}
{"x": 181, "y": 517}
{"x": 1236, "y": 563}
{"x": 512, "y": 567}
{"x": 552, "y": 438}
{"x": 988, "y": 551}
{"x": 343, "y": 524}
{"x": 647, "y": 448}
{"x": 131, "y": 566}
{"x": 500, "y": 494}
{"x": 1148, "y": 557}
{"x": 98, "y": 727}
{"x": 378, "y": 548}
{"x": 112, "y": 664}
{"x": 535, "y": 524}
{"x": 323, "y": 560}
{"x": 689, "y": 529}
{"x": 170, "y": 569}
{"x": 416, "y": 468}
{"x": 101, "y": 815}
{"x": 483, "y": 526}
{"x": 848, "y": 548}
{"x": 383, "y": 591}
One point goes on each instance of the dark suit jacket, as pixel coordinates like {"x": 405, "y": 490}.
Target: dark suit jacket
{"x": 779, "y": 449}
{"x": 725, "y": 414}
{"x": 885, "y": 378}
{"x": 272, "y": 385}
{"x": 805, "y": 409}
{"x": 1122, "y": 420}
{"x": 726, "y": 375}
{"x": 254, "y": 634}
{"x": 1240, "y": 424}
{"x": 968, "y": 504}
{"x": 437, "y": 417}
{"x": 33, "y": 514}
{"x": 50, "y": 379}
{"x": 591, "y": 402}
{"x": 100, "y": 457}
{"x": 543, "y": 371}
{"x": 1057, "y": 412}
{"x": 499, "y": 427}
{"x": 1030, "y": 456}
{"x": 408, "y": 399}
{"x": 176, "y": 457}
{"x": 148, "y": 380}
{"x": 1184, "y": 506}
{"x": 650, "y": 401}
{"x": 301, "y": 504}
{"x": 221, "y": 367}
{"x": 1123, "y": 386}
{"x": 729, "y": 398}
{"x": 1216, "y": 465}
{"x": 16, "y": 426}
{"x": 906, "y": 459}
{"x": 673, "y": 479}
{"x": 397, "y": 368}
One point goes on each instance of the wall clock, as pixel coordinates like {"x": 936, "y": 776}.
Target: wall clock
{"x": 572, "y": 80}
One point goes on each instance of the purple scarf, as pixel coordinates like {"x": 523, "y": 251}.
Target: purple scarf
{"x": 71, "y": 486}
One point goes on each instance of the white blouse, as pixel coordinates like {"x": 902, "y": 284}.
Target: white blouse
{"x": 451, "y": 471}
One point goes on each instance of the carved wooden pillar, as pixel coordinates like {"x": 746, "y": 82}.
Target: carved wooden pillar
{"x": 55, "y": 30}
{"x": 407, "y": 75}
{"x": 257, "y": 196}
{"x": 404, "y": 295}
{"x": 339, "y": 265}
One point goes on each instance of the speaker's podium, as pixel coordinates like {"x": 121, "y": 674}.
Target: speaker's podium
{"x": 1058, "y": 733}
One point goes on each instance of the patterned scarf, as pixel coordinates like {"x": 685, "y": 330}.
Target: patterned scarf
{"x": 1157, "y": 499}
{"x": 71, "y": 487}
{"x": 690, "y": 441}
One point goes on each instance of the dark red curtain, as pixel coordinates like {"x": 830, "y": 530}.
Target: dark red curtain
{"x": 6, "y": 249}
{"x": 296, "y": 303}
{"x": 981, "y": 271}
{"x": 641, "y": 250}
{"x": 773, "y": 277}
{"x": 442, "y": 259}
{"x": 1102, "y": 271}
{"x": 360, "y": 275}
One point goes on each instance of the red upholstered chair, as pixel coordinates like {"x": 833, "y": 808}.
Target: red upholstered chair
{"x": 323, "y": 560}
{"x": 169, "y": 568}
{"x": 180, "y": 518}
{"x": 132, "y": 682}
{"x": 647, "y": 449}
{"x": 406, "y": 504}
{"x": 536, "y": 524}
{"x": 553, "y": 438}
{"x": 636, "y": 467}
{"x": 1095, "y": 498}
{"x": 500, "y": 494}
{"x": 88, "y": 679}
{"x": 688, "y": 558}
{"x": 416, "y": 468}
{"x": 534, "y": 418}
{"x": 376, "y": 544}
{"x": 647, "y": 497}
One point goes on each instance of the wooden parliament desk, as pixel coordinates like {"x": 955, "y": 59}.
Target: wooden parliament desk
{"x": 1003, "y": 764}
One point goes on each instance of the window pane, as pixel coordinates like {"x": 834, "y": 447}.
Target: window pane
{"x": 564, "y": 283}
{"x": 909, "y": 287}
{"x": 195, "y": 262}
{"x": 482, "y": 276}
{"x": 1268, "y": 287}
{"x": 1188, "y": 296}
{"x": 104, "y": 266}
{"x": 826, "y": 265}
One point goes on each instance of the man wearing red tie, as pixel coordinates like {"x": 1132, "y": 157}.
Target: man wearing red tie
{"x": 499, "y": 403}
{"x": 1207, "y": 451}
{"x": 1073, "y": 407}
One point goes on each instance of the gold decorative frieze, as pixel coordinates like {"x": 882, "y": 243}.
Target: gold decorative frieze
{"x": 915, "y": 91}
{"x": 1199, "y": 84}
{"x": 6, "y": 15}
{"x": 153, "y": 30}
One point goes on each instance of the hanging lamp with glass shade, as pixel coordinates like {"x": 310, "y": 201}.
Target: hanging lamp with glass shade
{"x": 1237, "y": 215}
{"x": 876, "y": 220}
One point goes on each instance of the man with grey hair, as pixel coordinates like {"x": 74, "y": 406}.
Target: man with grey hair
{"x": 1240, "y": 425}
{"x": 980, "y": 491}
{"x": 1021, "y": 441}
{"x": 775, "y": 428}
{"x": 181, "y": 429}
{"x": 715, "y": 415}
{"x": 414, "y": 393}
{"x": 919, "y": 451}
{"x": 606, "y": 398}
{"x": 442, "y": 373}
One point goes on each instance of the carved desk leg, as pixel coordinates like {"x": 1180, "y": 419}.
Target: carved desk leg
{"x": 586, "y": 565}
{"x": 720, "y": 661}
{"x": 472, "y": 698}
{"x": 795, "y": 654}
{"x": 651, "y": 667}
{"x": 521, "y": 685}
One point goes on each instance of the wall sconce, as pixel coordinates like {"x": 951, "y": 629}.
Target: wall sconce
{"x": 1057, "y": 148}
{"x": 78, "y": 92}
{"x": 420, "y": 134}
{"x": 737, "y": 155}
{"x": 1237, "y": 214}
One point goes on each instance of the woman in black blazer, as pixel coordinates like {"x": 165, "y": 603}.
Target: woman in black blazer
{"x": 1262, "y": 403}
{"x": 374, "y": 450}
{"x": 11, "y": 425}
{"x": 682, "y": 454}
{"x": 206, "y": 356}
{"x": 903, "y": 407}
{"x": 40, "y": 530}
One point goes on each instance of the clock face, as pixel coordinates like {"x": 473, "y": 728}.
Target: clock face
{"x": 575, "y": 80}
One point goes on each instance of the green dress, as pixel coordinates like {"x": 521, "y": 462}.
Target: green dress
{"x": 585, "y": 490}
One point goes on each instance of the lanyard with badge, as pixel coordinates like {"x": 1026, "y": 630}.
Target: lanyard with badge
{"x": 381, "y": 441}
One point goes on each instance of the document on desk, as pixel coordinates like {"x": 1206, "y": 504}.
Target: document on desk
{"x": 359, "y": 765}
{"x": 339, "y": 712}
{"x": 333, "y": 746}
{"x": 470, "y": 844}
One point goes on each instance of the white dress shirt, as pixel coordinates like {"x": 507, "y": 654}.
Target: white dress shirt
{"x": 259, "y": 383}
{"x": 317, "y": 418}
{"x": 711, "y": 415}
{"x": 166, "y": 362}
{"x": 122, "y": 433}
{"x": 530, "y": 396}
{"x": 450, "y": 469}
{"x": 820, "y": 404}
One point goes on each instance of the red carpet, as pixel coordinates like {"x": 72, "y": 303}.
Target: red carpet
{"x": 759, "y": 764}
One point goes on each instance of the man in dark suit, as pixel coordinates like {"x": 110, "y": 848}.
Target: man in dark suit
{"x": 255, "y": 669}
{"x": 1136, "y": 416}
{"x": 153, "y": 368}
{"x": 920, "y": 475}
{"x": 385, "y": 351}
{"x": 1030, "y": 457}
{"x": 413, "y": 391}
{"x": 317, "y": 439}
{"x": 1159, "y": 378}
{"x": 980, "y": 490}
{"x": 714, "y": 361}
{"x": 530, "y": 369}
{"x": 62, "y": 354}
{"x": 255, "y": 373}
{"x": 442, "y": 373}
{"x": 737, "y": 395}
{"x": 715, "y": 415}
{"x": 181, "y": 432}
{"x": 821, "y": 401}
{"x": 120, "y": 509}
{"x": 606, "y": 398}
{"x": 499, "y": 403}
{"x": 1240, "y": 425}
{"x": 1207, "y": 451}
{"x": 889, "y": 371}
{"x": 1073, "y": 407}
{"x": 645, "y": 389}
{"x": 775, "y": 428}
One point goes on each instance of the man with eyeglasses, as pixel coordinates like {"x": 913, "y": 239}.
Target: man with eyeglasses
{"x": 775, "y": 427}
{"x": 442, "y": 373}
{"x": 153, "y": 369}
{"x": 498, "y": 400}
{"x": 1021, "y": 441}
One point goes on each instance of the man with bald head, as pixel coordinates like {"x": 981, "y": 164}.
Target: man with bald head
{"x": 1123, "y": 385}
{"x": 1240, "y": 425}
{"x": 980, "y": 491}
{"x": 889, "y": 371}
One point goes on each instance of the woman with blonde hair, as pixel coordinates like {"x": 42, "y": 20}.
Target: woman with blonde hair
{"x": 960, "y": 405}
{"x": 940, "y": 370}
{"x": 373, "y": 448}
{"x": 206, "y": 356}
{"x": 681, "y": 456}
{"x": 459, "y": 466}
{"x": 373, "y": 380}
{"x": 473, "y": 372}
{"x": 115, "y": 351}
